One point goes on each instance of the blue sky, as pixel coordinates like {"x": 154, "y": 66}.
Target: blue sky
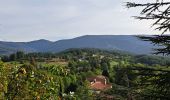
{"x": 25, "y": 20}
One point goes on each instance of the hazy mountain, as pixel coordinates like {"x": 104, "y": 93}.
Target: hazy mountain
{"x": 127, "y": 43}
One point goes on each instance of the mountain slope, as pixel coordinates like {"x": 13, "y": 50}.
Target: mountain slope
{"x": 126, "y": 43}
{"x": 120, "y": 42}
{"x": 39, "y": 45}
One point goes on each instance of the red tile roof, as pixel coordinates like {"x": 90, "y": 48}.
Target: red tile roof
{"x": 100, "y": 86}
{"x": 99, "y": 83}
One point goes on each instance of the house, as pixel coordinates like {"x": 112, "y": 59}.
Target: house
{"x": 99, "y": 83}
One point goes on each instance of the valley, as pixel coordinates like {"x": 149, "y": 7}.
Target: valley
{"x": 82, "y": 74}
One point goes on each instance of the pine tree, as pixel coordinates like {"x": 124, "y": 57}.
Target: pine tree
{"x": 155, "y": 81}
{"x": 159, "y": 12}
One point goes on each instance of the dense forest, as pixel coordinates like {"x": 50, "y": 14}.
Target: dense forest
{"x": 64, "y": 75}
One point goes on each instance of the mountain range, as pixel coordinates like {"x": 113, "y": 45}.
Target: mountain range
{"x": 128, "y": 43}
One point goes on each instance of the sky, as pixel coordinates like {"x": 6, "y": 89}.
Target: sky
{"x": 27, "y": 20}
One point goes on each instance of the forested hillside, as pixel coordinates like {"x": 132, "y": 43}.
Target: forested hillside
{"x": 66, "y": 75}
{"x": 127, "y": 43}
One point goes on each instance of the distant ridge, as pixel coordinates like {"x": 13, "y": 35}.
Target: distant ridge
{"x": 128, "y": 43}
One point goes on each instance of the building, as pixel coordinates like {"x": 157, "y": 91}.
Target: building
{"x": 99, "y": 83}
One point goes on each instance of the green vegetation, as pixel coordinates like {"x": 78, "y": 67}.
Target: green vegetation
{"x": 49, "y": 76}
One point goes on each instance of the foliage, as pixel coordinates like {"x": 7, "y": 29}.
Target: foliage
{"x": 156, "y": 81}
{"x": 158, "y": 11}
{"x": 132, "y": 77}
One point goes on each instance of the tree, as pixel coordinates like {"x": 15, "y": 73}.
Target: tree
{"x": 159, "y": 12}
{"x": 13, "y": 57}
{"x": 19, "y": 54}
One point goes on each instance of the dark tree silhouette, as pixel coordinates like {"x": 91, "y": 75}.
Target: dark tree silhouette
{"x": 159, "y": 12}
